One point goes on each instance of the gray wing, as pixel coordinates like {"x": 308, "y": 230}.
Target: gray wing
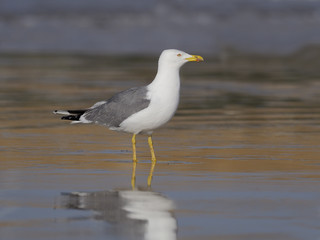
{"x": 118, "y": 108}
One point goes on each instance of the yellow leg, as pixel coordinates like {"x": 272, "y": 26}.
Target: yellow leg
{"x": 133, "y": 178}
{"x": 153, "y": 156}
{"x": 154, "y": 160}
{"x": 134, "y": 166}
{"x": 153, "y": 164}
{"x": 134, "y": 148}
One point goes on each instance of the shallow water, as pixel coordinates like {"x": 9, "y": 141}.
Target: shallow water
{"x": 240, "y": 160}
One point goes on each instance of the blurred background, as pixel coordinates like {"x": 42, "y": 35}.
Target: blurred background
{"x": 278, "y": 27}
{"x": 273, "y": 41}
{"x": 239, "y": 160}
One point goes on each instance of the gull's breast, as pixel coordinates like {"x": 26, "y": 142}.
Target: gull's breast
{"x": 163, "y": 105}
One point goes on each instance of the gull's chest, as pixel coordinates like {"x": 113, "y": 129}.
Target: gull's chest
{"x": 166, "y": 99}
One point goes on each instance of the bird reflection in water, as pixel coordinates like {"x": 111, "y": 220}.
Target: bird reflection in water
{"x": 133, "y": 178}
{"x": 137, "y": 214}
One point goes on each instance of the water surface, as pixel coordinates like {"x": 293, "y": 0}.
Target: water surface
{"x": 240, "y": 160}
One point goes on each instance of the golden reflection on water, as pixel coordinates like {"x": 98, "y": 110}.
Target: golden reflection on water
{"x": 245, "y": 141}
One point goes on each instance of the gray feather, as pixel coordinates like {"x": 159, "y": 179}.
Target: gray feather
{"x": 118, "y": 108}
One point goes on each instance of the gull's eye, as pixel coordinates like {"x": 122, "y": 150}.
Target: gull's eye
{"x": 179, "y": 55}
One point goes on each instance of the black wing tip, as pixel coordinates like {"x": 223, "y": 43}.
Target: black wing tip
{"x": 71, "y": 117}
{"x": 77, "y": 112}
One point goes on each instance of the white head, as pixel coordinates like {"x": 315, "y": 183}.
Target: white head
{"x": 176, "y": 58}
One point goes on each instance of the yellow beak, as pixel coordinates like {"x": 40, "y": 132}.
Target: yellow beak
{"x": 195, "y": 58}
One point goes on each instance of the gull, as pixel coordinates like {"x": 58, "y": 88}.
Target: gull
{"x": 140, "y": 110}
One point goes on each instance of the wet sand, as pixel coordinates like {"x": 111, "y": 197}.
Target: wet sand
{"x": 240, "y": 160}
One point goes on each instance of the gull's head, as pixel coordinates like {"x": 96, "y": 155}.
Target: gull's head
{"x": 177, "y": 58}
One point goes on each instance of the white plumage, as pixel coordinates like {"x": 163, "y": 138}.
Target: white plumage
{"x": 150, "y": 106}
{"x": 163, "y": 93}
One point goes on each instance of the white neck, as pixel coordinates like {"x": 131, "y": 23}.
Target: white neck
{"x": 167, "y": 78}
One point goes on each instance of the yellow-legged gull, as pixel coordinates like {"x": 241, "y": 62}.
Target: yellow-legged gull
{"x": 140, "y": 109}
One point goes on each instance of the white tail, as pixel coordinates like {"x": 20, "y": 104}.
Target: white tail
{"x": 62, "y": 112}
